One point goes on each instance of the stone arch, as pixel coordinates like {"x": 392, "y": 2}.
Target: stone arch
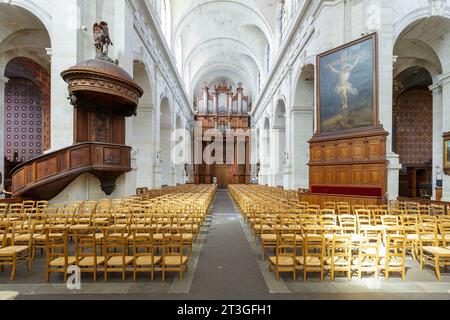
{"x": 279, "y": 143}
{"x": 302, "y": 124}
{"x": 23, "y": 59}
{"x": 143, "y": 127}
{"x": 265, "y": 151}
{"x": 165, "y": 142}
{"x": 420, "y": 61}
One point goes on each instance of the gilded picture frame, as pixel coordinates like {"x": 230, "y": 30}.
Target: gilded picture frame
{"x": 447, "y": 153}
{"x": 347, "y": 87}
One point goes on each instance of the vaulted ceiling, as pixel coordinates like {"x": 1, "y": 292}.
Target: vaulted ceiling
{"x": 222, "y": 40}
{"x": 22, "y": 34}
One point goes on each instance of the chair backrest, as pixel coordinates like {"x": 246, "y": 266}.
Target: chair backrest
{"x": 16, "y": 209}
{"x": 173, "y": 246}
{"x": 424, "y": 218}
{"x": 397, "y": 212}
{"x": 29, "y": 204}
{"x": 314, "y": 246}
{"x": 330, "y": 205}
{"x": 23, "y": 228}
{"x": 357, "y": 207}
{"x": 372, "y": 207}
{"x": 390, "y": 221}
{"x": 396, "y": 248}
{"x": 376, "y": 216}
{"x": 427, "y": 233}
{"x": 341, "y": 247}
{"x": 363, "y": 217}
{"x": 343, "y": 209}
{"x": 328, "y": 220}
{"x": 114, "y": 242}
{"x": 348, "y": 224}
{"x": 5, "y": 229}
{"x": 444, "y": 229}
{"x": 57, "y": 244}
{"x": 86, "y": 244}
{"x": 309, "y": 220}
{"x": 438, "y": 210}
{"x": 370, "y": 247}
{"x": 3, "y": 210}
{"x": 286, "y": 247}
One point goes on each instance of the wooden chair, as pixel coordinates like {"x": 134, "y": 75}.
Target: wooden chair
{"x": 268, "y": 235}
{"x": 15, "y": 210}
{"x": 330, "y": 205}
{"x": 11, "y": 254}
{"x": 363, "y": 219}
{"x": 341, "y": 256}
{"x": 86, "y": 252}
{"x": 173, "y": 259}
{"x": 41, "y": 206}
{"x": 115, "y": 252}
{"x": 372, "y": 207}
{"x": 357, "y": 207}
{"x": 377, "y": 215}
{"x": 394, "y": 258}
{"x": 344, "y": 209}
{"x": 57, "y": 247}
{"x": 314, "y": 254}
{"x": 437, "y": 210}
{"x": 145, "y": 259}
{"x": 348, "y": 224}
{"x": 429, "y": 249}
{"x": 3, "y": 211}
{"x": 368, "y": 260}
{"x": 284, "y": 260}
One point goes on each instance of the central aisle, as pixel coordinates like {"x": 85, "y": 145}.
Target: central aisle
{"x": 227, "y": 268}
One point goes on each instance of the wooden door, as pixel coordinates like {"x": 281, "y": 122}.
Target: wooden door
{"x": 223, "y": 176}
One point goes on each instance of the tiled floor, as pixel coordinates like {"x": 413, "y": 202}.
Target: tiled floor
{"x": 226, "y": 264}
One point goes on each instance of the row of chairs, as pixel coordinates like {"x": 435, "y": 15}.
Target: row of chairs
{"x": 24, "y": 236}
{"x": 425, "y": 235}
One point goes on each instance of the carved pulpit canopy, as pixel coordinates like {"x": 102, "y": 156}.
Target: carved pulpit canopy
{"x": 99, "y": 84}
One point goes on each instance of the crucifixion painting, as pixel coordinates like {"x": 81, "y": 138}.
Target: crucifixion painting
{"x": 346, "y": 86}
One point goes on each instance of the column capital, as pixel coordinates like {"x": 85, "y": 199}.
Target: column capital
{"x": 3, "y": 79}
{"x": 444, "y": 79}
{"x": 436, "y": 88}
{"x": 302, "y": 110}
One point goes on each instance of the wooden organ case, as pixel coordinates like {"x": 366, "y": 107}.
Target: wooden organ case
{"x": 224, "y": 116}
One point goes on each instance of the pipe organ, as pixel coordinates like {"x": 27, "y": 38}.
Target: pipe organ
{"x": 222, "y": 100}
{"x": 226, "y": 114}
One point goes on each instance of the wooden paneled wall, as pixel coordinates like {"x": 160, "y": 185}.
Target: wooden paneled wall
{"x": 321, "y": 199}
{"x": 354, "y": 159}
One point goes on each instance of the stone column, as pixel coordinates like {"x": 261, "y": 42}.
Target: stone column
{"x": 65, "y": 50}
{"x": 205, "y": 99}
{"x": 3, "y": 81}
{"x": 437, "y": 133}
{"x": 144, "y": 142}
{"x": 302, "y": 130}
{"x": 240, "y": 93}
{"x": 216, "y": 102}
{"x": 445, "y": 81}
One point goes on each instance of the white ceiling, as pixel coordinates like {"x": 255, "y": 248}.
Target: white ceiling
{"x": 222, "y": 40}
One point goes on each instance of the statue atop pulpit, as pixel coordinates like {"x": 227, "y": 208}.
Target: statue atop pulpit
{"x": 102, "y": 41}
